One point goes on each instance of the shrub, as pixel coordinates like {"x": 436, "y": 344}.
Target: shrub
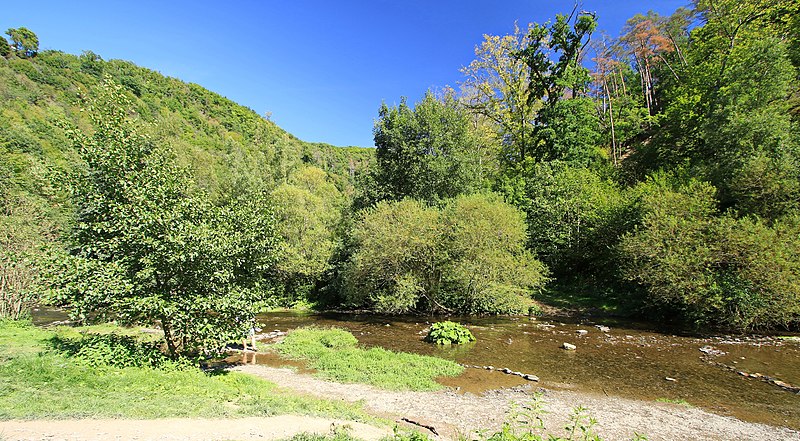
{"x": 467, "y": 257}
{"x": 711, "y": 268}
{"x": 446, "y": 333}
{"x": 574, "y": 217}
{"x": 113, "y": 350}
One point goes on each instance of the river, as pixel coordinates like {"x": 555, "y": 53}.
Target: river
{"x": 628, "y": 360}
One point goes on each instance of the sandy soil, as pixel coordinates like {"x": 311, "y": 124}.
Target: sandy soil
{"x": 454, "y": 414}
{"x": 271, "y": 428}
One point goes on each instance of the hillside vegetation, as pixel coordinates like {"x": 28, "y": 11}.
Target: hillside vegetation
{"x": 666, "y": 178}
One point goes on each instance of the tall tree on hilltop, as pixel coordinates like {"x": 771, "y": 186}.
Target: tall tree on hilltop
{"x": 24, "y": 42}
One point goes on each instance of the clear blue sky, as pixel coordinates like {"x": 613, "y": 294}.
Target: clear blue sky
{"x": 321, "y": 67}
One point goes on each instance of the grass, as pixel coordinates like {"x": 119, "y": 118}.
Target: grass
{"x": 38, "y": 381}
{"x": 335, "y": 354}
{"x": 678, "y": 401}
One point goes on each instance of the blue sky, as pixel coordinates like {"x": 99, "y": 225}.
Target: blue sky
{"x": 322, "y": 68}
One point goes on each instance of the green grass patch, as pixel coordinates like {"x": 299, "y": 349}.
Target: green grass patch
{"x": 678, "y": 401}
{"x": 39, "y": 380}
{"x": 335, "y": 354}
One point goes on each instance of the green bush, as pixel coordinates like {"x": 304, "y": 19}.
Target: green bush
{"x": 113, "y": 350}
{"x": 712, "y": 268}
{"x": 446, "y": 333}
{"x": 574, "y": 216}
{"x": 467, "y": 257}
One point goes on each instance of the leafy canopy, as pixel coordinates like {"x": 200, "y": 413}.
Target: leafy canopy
{"x": 146, "y": 249}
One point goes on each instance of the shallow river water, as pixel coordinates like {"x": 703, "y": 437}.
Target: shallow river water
{"x": 625, "y": 361}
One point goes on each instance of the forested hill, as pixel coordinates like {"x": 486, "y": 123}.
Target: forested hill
{"x": 663, "y": 176}
{"x": 221, "y": 142}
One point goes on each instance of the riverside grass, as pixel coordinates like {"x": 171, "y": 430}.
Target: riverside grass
{"x": 36, "y": 381}
{"x": 335, "y": 354}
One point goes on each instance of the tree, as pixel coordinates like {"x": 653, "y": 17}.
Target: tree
{"x": 574, "y": 217}
{"x": 146, "y": 249}
{"x": 24, "y": 42}
{"x": 712, "y": 268}
{"x": 307, "y": 211}
{"x": 5, "y": 49}
{"x": 468, "y": 257}
{"x": 550, "y": 80}
{"x": 496, "y": 87}
{"x": 730, "y": 115}
{"x": 429, "y": 152}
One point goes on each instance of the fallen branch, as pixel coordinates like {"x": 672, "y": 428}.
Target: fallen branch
{"x": 424, "y": 426}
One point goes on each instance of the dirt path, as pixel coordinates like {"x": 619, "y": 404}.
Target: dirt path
{"x": 454, "y": 414}
{"x": 271, "y": 428}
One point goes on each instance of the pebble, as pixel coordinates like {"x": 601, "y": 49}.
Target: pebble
{"x": 568, "y": 346}
{"x": 671, "y": 379}
{"x": 582, "y": 332}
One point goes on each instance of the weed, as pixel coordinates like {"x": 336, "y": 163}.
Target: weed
{"x": 446, "y": 333}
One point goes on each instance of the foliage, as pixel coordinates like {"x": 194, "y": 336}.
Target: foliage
{"x": 25, "y": 229}
{"x": 24, "y": 42}
{"x": 468, "y": 256}
{"x": 112, "y": 350}
{"x": 145, "y": 250}
{"x": 525, "y": 423}
{"x": 575, "y": 217}
{"x": 447, "y": 332}
{"x": 30, "y": 368}
{"x": 335, "y": 355}
{"x": 5, "y": 49}
{"x": 713, "y": 269}
{"x": 428, "y": 153}
{"x": 308, "y": 210}
{"x": 549, "y": 78}
{"x": 496, "y": 88}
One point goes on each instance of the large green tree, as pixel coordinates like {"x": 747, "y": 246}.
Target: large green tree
{"x": 429, "y": 152}
{"x": 563, "y": 129}
{"x": 146, "y": 248}
{"x": 308, "y": 210}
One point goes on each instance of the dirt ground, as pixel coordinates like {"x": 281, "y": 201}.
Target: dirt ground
{"x": 454, "y": 414}
{"x": 450, "y": 414}
{"x": 270, "y": 428}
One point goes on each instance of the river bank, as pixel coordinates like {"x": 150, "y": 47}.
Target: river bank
{"x": 453, "y": 414}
